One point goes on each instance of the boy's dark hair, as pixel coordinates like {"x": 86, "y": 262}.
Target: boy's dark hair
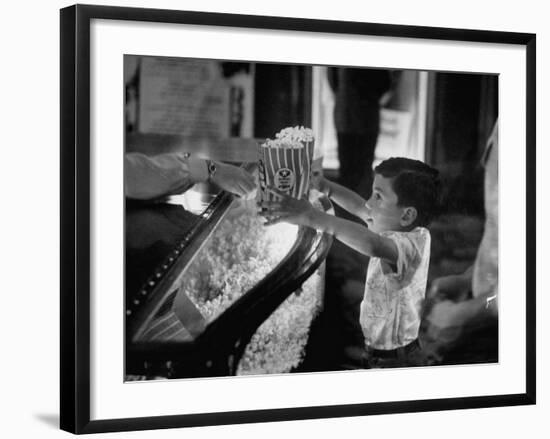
{"x": 416, "y": 184}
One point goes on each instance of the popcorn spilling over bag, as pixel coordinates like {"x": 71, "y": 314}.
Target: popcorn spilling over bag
{"x": 285, "y": 163}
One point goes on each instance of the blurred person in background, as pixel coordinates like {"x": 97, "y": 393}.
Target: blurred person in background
{"x": 357, "y": 93}
{"x": 461, "y": 322}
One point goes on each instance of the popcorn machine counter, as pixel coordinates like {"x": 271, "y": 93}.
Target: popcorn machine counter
{"x": 216, "y": 293}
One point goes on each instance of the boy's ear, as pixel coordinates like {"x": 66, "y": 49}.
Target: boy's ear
{"x": 409, "y": 216}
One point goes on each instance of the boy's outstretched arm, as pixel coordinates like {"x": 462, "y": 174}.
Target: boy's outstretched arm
{"x": 356, "y": 236}
{"x": 344, "y": 197}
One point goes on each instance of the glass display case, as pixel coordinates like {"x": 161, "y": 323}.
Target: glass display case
{"x": 211, "y": 291}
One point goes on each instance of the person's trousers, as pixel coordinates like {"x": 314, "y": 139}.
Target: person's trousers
{"x": 356, "y": 155}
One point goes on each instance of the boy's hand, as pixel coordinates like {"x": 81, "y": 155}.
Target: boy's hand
{"x": 319, "y": 182}
{"x": 286, "y": 209}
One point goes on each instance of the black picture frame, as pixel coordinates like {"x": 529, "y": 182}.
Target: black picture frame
{"x": 76, "y": 211}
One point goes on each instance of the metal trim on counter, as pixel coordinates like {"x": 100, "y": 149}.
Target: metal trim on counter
{"x": 141, "y": 308}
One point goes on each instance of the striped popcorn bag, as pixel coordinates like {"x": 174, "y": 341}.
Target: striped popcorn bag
{"x": 285, "y": 163}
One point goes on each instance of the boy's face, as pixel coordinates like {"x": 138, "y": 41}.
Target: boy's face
{"x": 383, "y": 212}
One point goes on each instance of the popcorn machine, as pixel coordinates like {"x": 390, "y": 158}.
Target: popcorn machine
{"x": 216, "y": 293}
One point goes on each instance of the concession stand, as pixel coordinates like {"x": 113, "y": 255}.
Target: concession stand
{"x": 210, "y": 290}
{"x": 245, "y": 294}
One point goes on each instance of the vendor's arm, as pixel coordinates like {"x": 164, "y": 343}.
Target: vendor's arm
{"x": 356, "y": 236}
{"x": 150, "y": 177}
{"x": 344, "y": 197}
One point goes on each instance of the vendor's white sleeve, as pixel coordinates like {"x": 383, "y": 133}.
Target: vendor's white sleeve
{"x": 149, "y": 177}
{"x": 197, "y": 169}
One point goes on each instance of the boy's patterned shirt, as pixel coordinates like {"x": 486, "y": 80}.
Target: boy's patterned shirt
{"x": 392, "y": 303}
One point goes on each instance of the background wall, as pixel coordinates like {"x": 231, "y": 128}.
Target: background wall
{"x": 29, "y": 184}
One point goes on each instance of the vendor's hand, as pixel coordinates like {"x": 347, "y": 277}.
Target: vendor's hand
{"x": 453, "y": 287}
{"x": 285, "y": 209}
{"x": 234, "y": 179}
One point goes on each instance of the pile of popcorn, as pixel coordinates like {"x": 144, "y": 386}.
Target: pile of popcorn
{"x": 278, "y": 346}
{"x": 239, "y": 254}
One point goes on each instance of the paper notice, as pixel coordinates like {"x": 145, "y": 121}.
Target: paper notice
{"x": 183, "y": 96}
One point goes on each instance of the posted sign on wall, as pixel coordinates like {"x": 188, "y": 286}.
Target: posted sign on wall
{"x": 194, "y": 97}
{"x": 181, "y": 96}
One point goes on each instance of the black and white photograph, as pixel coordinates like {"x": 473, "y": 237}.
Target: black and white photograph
{"x": 274, "y": 218}
{"x": 286, "y": 218}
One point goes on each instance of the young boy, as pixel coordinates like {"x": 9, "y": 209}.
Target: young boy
{"x": 405, "y": 197}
